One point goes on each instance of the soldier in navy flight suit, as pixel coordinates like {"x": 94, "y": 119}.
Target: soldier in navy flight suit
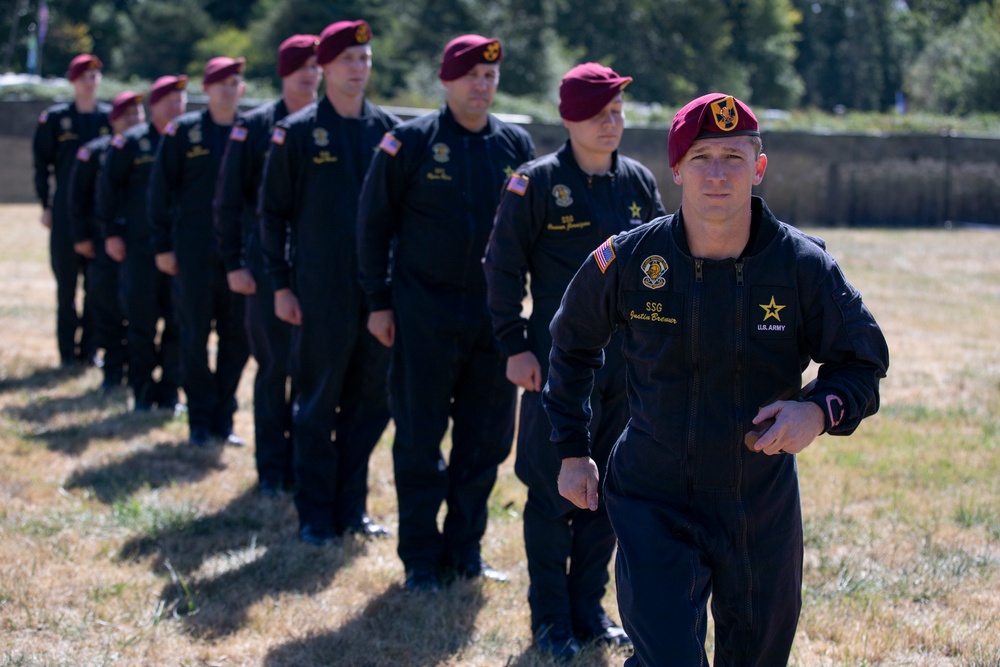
{"x": 181, "y": 189}
{"x": 721, "y": 307}
{"x": 122, "y": 215}
{"x": 239, "y": 242}
{"x": 308, "y": 203}
{"x": 62, "y": 129}
{"x": 104, "y": 309}
{"x": 427, "y": 209}
{"x": 554, "y": 211}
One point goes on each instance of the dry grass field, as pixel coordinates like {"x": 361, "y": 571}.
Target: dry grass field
{"x": 119, "y": 544}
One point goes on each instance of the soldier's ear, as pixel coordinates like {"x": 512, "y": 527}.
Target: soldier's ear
{"x": 677, "y": 176}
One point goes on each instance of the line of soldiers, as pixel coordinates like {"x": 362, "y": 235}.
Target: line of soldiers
{"x": 343, "y": 249}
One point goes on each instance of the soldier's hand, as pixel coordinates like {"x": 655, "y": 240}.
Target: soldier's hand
{"x": 796, "y": 425}
{"x": 578, "y": 480}
{"x": 524, "y": 370}
{"x": 115, "y": 247}
{"x": 166, "y": 262}
{"x": 286, "y": 307}
{"x": 241, "y": 281}
{"x": 382, "y": 325}
{"x": 85, "y": 248}
{"x": 46, "y": 218}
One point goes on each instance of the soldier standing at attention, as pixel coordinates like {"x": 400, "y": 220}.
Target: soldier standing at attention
{"x": 122, "y": 215}
{"x": 553, "y": 213}
{"x": 312, "y": 178}
{"x": 62, "y": 129}
{"x": 427, "y": 210}
{"x": 181, "y": 189}
{"x": 105, "y": 310}
{"x": 238, "y": 236}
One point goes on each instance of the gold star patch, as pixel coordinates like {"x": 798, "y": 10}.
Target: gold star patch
{"x": 771, "y": 310}
{"x": 635, "y": 209}
{"x": 508, "y": 171}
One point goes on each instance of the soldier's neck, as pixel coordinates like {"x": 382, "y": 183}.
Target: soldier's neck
{"x": 222, "y": 116}
{"x": 346, "y": 106}
{"x": 294, "y": 101}
{"x": 86, "y": 104}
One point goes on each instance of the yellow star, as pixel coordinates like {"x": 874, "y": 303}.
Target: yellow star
{"x": 635, "y": 209}
{"x": 508, "y": 170}
{"x": 771, "y": 310}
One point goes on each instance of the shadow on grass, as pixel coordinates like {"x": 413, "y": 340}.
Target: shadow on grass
{"x": 221, "y": 564}
{"x": 74, "y": 439}
{"x": 164, "y": 464}
{"x": 40, "y": 378}
{"x": 396, "y": 628}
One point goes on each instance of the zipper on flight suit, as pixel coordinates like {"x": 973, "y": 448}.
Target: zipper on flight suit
{"x": 696, "y": 372}
{"x": 739, "y": 451}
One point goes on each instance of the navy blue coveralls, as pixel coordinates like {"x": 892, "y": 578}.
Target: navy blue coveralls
{"x": 550, "y": 219}
{"x": 181, "y": 189}
{"x": 238, "y": 236}
{"x": 430, "y": 197}
{"x": 61, "y": 131}
{"x": 308, "y": 203}
{"x": 102, "y": 274}
{"x": 706, "y": 343}
{"x": 122, "y": 210}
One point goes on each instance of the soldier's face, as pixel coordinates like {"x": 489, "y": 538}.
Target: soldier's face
{"x": 599, "y": 134}
{"x": 472, "y": 93}
{"x": 304, "y": 81}
{"x": 226, "y": 94}
{"x": 169, "y": 106}
{"x": 86, "y": 84}
{"x": 718, "y": 175}
{"x": 132, "y": 116}
{"x": 348, "y": 73}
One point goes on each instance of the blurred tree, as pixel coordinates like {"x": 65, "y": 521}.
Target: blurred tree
{"x": 161, "y": 37}
{"x": 959, "y": 71}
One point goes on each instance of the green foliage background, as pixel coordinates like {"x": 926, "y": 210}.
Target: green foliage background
{"x": 939, "y": 56}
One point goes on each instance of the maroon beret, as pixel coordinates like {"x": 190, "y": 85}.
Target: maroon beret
{"x": 81, "y": 64}
{"x": 587, "y": 88}
{"x": 122, "y": 102}
{"x": 712, "y": 115}
{"x": 340, "y": 35}
{"x": 218, "y": 69}
{"x": 294, "y": 52}
{"x": 465, "y": 52}
{"x": 166, "y": 85}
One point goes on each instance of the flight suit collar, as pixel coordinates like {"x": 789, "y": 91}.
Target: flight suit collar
{"x": 454, "y": 125}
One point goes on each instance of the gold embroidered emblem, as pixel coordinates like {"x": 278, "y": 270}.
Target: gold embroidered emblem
{"x": 361, "y": 34}
{"x": 562, "y": 195}
{"x": 321, "y": 137}
{"x": 194, "y": 135}
{"x": 771, "y": 310}
{"x": 725, "y": 114}
{"x": 654, "y": 267}
{"x": 492, "y": 51}
{"x": 441, "y": 152}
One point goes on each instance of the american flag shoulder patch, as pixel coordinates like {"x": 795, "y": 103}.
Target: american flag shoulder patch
{"x": 390, "y": 144}
{"x": 83, "y": 155}
{"x": 239, "y": 133}
{"x": 278, "y": 136}
{"x": 604, "y": 255}
{"x": 517, "y": 184}
{"x": 170, "y": 129}
{"x": 118, "y": 141}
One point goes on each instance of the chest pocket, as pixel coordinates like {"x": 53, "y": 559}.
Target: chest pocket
{"x": 654, "y": 311}
{"x": 773, "y": 312}
{"x": 325, "y": 151}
